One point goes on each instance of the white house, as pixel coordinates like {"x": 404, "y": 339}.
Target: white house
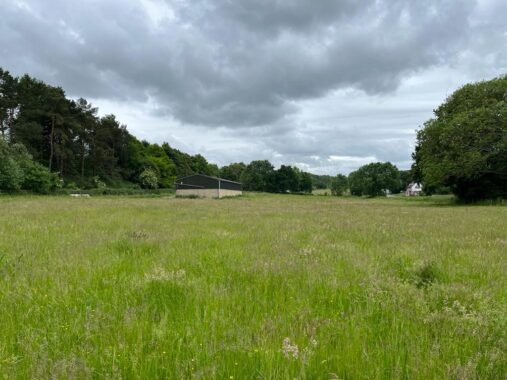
{"x": 413, "y": 189}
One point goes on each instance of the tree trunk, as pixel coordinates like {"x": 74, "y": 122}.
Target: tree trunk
{"x": 51, "y": 137}
{"x": 82, "y": 161}
{"x": 9, "y": 125}
{"x": 61, "y": 165}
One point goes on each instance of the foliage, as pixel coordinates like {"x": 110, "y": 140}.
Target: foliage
{"x": 465, "y": 146}
{"x": 286, "y": 180}
{"x": 374, "y": 179}
{"x": 233, "y": 171}
{"x": 339, "y": 185}
{"x": 261, "y": 176}
{"x": 18, "y": 171}
{"x": 37, "y": 178}
{"x": 256, "y": 176}
{"x": 305, "y": 182}
{"x": 149, "y": 179}
{"x": 99, "y": 184}
{"x": 321, "y": 181}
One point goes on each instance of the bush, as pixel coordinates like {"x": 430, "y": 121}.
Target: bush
{"x": 38, "y": 179}
{"x": 11, "y": 175}
{"x": 148, "y": 179}
{"x": 18, "y": 171}
{"x": 99, "y": 184}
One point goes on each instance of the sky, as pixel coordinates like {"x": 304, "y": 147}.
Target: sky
{"x": 325, "y": 85}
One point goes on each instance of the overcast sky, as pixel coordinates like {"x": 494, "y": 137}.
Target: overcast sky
{"x": 325, "y": 85}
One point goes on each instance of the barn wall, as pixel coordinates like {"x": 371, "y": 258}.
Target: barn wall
{"x": 229, "y": 193}
{"x": 205, "y": 193}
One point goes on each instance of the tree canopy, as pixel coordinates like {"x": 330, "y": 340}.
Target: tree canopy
{"x": 464, "y": 146}
{"x": 339, "y": 185}
{"x": 374, "y": 179}
{"x": 262, "y": 176}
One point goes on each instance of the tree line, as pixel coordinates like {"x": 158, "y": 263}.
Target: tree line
{"x": 49, "y": 141}
{"x": 68, "y": 144}
{"x": 261, "y": 175}
{"x": 374, "y": 179}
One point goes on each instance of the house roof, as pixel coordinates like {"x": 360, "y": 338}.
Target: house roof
{"x": 414, "y": 187}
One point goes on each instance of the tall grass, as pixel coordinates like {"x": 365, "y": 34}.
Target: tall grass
{"x": 260, "y": 287}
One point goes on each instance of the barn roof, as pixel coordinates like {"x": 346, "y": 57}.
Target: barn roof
{"x": 207, "y": 176}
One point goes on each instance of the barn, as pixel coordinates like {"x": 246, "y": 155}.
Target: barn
{"x": 201, "y": 185}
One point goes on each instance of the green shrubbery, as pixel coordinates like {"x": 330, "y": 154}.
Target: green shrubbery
{"x": 149, "y": 179}
{"x": 18, "y": 171}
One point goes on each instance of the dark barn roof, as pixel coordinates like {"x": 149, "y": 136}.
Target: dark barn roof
{"x": 201, "y": 181}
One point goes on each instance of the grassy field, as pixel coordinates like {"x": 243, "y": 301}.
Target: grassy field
{"x": 259, "y": 287}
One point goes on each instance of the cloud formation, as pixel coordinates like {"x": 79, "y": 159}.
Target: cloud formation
{"x": 251, "y": 69}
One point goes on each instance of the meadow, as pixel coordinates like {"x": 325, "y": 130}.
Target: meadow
{"x": 257, "y": 287}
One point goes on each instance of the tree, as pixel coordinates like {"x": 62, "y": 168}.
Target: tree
{"x": 465, "y": 146}
{"x": 339, "y": 185}
{"x": 11, "y": 175}
{"x": 256, "y": 175}
{"x": 374, "y": 179}
{"x": 321, "y": 181}
{"x": 305, "y": 183}
{"x": 8, "y": 103}
{"x": 233, "y": 171}
{"x": 287, "y": 179}
{"x": 162, "y": 164}
{"x": 86, "y": 117}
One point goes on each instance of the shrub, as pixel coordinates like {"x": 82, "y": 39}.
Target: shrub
{"x": 38, "y": 179}
{"x": 19, "y": 171}
{"x": 149, "y": 179}
{"x": 99, "y": 184}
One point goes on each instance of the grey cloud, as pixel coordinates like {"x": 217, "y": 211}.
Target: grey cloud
{"x": 218, "y": 68}
{"x": 230, "y": 63}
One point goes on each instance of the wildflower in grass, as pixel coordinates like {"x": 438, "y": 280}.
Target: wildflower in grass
{"x": 290, "y": 351}
{"x": 160, "y": 274}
